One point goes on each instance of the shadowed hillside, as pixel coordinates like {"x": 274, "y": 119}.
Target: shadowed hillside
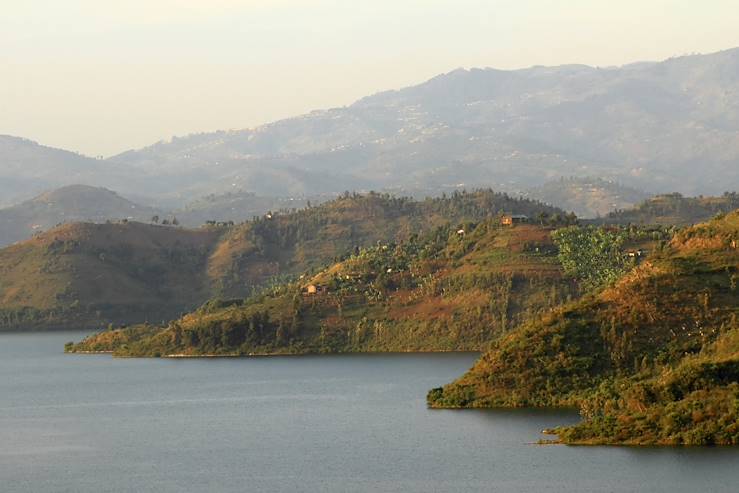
{"x": 82, "y": 275}
{"x": 238, "y": 207}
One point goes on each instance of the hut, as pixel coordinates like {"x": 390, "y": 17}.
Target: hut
{"x": 314, "y": 289}
{"x": 511, "y": 219}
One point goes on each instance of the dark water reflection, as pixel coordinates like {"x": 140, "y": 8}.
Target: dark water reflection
{"x": 334, "y": 423}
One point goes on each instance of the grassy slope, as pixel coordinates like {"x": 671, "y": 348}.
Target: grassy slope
{"x": 444, "y": 291}
{"x": 652, "y": 359}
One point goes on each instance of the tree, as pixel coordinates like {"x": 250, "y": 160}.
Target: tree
{"x": 155, "y": 219}
{"x": 592, "y": 255}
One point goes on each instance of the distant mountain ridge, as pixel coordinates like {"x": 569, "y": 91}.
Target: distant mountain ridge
{"x": 28, "y": 168}
{"x": 659, "y": 127}
{"x": 73, "y": 203}
{"x": 587, "y": 197}
{"x": 668, "y": 126}
{"x": 83, "y": 203}
{"x": 674, "y": 209}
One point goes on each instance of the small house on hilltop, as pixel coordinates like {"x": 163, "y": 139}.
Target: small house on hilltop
{"x": 511, "y": 219}
{"x": 315, "y": 289}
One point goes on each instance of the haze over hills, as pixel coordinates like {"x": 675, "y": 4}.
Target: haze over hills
{"x": 27, "y": 168}
{"x": 83, "y": 203}
{"x": 659, "y": 127}
{"x": 674, "y": 209}
{"x": 587, "y": 197}
{"x": 73, "y": 203}
{"x": 647, "y": 124}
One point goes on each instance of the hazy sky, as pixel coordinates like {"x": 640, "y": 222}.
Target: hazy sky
{"x": 99, "y": 76}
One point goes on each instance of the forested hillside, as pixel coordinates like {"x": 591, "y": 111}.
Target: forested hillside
{"x": 84, "y": 275}
{"x": 652, "y": 358}
{"x": 456, "y": 287}
{"x": 88, "y": 275}
{"x": 292, "y": 243}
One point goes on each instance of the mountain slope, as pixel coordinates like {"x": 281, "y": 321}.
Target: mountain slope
{"x": 85, "y": 275}
{"x": 587, "y": 197}
{"x": 659, "y": 127}
{"x": 237, "y": 207}
{"x": 674, "y": 209}
{"x": 28, "y": 168}
{"x": 668, "y": 126}
{"x": 73, "y": 203}
{"x": 446, "y": 290}
{"x": 660, "y": 342}
{"x": 88, "y": 274}
{"x": 292, "y": 243}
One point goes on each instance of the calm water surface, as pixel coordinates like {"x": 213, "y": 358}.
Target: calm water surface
{"x": 333, "y": 423}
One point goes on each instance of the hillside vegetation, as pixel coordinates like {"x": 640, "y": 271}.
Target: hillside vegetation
{"x": 455, "y": 288}
{"x": 85, "y": 275}
{"x": 653, "y": 358}
{"x": 293, "y": 243}
{"x": 82, "y": 275}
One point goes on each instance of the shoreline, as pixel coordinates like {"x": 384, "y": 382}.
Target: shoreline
{"x": 267, "y": 355}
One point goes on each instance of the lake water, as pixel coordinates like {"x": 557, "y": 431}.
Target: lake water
{"x": 322, "y": 423}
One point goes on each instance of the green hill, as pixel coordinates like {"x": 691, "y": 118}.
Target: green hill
{"x": 653, "y": 358}
{"x": 293, "y": 243}
{"x": 85, "y": 275}
{"x": 88, "y": 275}
{"x": 455, "y": 288}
